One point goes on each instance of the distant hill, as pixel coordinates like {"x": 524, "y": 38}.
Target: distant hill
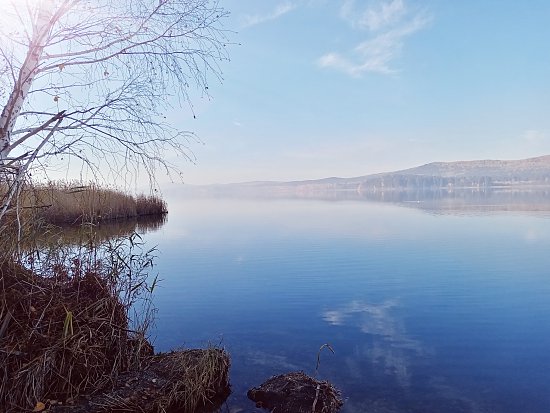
{"x": 524, "y": 169}
{"x": 436, "y": 175}
{"x": 438, "y": 187}
{"x": 463, "y": 174}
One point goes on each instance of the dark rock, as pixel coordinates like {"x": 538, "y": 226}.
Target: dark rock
{"x": 296, "y": 393}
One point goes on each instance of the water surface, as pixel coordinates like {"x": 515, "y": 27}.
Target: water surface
{"x": 426, "y": 312}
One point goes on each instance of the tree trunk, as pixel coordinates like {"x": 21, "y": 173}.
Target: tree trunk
{"x": 27, "y": 73}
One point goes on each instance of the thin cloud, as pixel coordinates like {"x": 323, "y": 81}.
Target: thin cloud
{"x": 534, "y": 136}
{"x": 375, "y": 17}
{"x": 280, "y": 10}
{"x": 389, "y": 24}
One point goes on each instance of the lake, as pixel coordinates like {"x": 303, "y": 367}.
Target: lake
{"x": 426, "y": 311}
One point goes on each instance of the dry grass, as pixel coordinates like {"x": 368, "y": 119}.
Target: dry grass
{"x": 61, "y": 338}
{"x": 185, "y": 381}
{"x": 74, "y": 203}
{"x": 75, "y": 307}
{"x": 73, "y": 322}
{"x": 196, "y": 377}
{"x": 65, "y": 326}
{"x": 296, "y": 392}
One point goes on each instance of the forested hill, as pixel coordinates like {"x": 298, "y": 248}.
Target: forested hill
{"x": 435, "y": 175}
{"x": 486, "y": 173}
{"x": 525, "y": 169}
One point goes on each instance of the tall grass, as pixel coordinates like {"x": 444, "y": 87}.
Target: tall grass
{"x": 74, "y": 203}
{"x": 65, "y": 319}
{"x": 76, "y": 309}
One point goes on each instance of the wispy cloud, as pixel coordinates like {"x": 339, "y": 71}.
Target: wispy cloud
{"x": 534, "y": 136}
{"x": 280, "y": 10}
{"x": 374, "y": 17}
{"x": 387, "y": 24}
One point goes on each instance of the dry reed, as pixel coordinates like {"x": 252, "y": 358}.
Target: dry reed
{"x": 196, "y": 378}
{"x": 185, "y": 381}
{"x": 74, "y": 203}
{"x": 65, "y": 326}
{"x": 65, "y": 305}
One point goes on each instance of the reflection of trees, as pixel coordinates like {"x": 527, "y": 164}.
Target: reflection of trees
{"x": 459, "y": 200}
{"x": 449, "y": 199}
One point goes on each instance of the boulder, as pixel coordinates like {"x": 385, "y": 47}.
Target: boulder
{"x": 296, "y": 392}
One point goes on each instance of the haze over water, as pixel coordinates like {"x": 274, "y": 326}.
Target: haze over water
{"x": 426, "y": 312}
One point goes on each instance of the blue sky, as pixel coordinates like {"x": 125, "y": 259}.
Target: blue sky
{"x": 322, "y": 88}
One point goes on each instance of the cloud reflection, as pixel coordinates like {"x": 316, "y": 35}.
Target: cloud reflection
{"x": 391, "y": 349}
{"x": 392, "y": 354}
{"x": 274, "y": 361}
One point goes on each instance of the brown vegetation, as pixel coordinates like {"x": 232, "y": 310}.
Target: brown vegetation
{"x": 185, "y": 381}
{"x": 66, "y": 331}
{"x": 41, "y": 351}
{"x": 75, "y": 309}
{"x": 71, "y": 203}
{"x": 296, "y": 392}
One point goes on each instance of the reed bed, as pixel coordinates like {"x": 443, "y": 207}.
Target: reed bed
{"x": 74, "y": 321}
{"x": 75, "y": 308}
{"x": 64, "y": 321}
{"x": 74, "y": 203}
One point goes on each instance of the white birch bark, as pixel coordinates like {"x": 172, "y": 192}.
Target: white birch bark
{"x": 114, "y": 67}
{"x": 27, "y": 73}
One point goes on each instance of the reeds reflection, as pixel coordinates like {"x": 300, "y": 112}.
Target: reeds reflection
{"x": 72, "y": 235}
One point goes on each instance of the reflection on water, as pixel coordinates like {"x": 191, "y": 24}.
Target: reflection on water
{"x": 98, "y": 233}
{"x": 388, "y": 357}
{"x": 458, "y": 201}
{"x": 390, "y": 348}
{"x": 463, "y": 201}
{"x": 425, "y": 312}
{"x": 370, "y": 319}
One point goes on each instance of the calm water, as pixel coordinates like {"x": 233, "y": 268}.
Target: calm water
{"x": 426, "y": 312}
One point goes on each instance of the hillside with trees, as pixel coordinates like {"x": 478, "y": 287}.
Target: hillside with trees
{"x": 483, "y": 174}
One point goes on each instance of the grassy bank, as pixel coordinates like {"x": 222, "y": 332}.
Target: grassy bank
{"x": 76, "y": 308}
{"x": 71, "y": 203}
{"x": 68, "y": 328}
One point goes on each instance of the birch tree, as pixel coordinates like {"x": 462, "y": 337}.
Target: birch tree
{"x": 90, "y": 80}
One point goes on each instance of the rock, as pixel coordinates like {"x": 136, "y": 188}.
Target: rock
{"x": 296, "y": 392}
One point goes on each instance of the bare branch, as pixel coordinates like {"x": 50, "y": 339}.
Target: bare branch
{"x": 112, "y": 68}
{"x": 34, "y": 131}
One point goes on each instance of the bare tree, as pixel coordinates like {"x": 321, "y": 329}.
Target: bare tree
{"x": 92, "y": 79}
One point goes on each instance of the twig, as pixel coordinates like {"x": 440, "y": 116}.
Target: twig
{"x": 5, "y": 324}
{"x": 316, "y": 398}
{"x": 319, "y": 356}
